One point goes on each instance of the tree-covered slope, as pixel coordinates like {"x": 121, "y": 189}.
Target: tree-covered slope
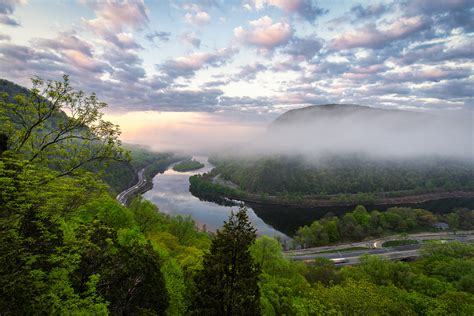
{"x": 349, "y": 149}
{"x": 12, "y": 89}
{"x": 340, "y": 175}
{"x": 309, "y": 114}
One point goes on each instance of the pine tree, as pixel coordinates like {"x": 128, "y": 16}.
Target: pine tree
{"x": 228, "y": 283}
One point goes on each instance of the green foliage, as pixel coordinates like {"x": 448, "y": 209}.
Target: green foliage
{"x": 120, "y": 175}
{"x": 267, "y": 253}
{"x": 201, "y": 186}
{"x": 66, "y": 246}
{"x": 400, "y": 242}
{"x": 40, "y": 132}
{"x": 188, "y": 165}
{"x": 227, "y": 285}
{"x": 283, "y": 175}
{"x": 360, "y": 224}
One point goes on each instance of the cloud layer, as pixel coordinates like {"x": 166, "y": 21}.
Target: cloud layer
{"x": 260, "y": 56}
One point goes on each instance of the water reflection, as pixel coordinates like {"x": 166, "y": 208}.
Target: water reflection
{"x": 171, "y": 194}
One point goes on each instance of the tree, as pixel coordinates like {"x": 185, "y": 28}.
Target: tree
{"x": 267, "y": 252}
{"x": 47, "y": 266}
{"x": 130, "y": 271}
{"x": 228, "y": 283}
{"x": 54, "y": 125}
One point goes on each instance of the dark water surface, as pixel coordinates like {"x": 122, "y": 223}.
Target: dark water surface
{"x": 289, "y": 219}
{"x": 171, "y": 194}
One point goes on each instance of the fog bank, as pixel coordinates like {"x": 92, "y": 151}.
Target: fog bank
{"x": 195, "y": 133}
{"x": 373, "y": 132}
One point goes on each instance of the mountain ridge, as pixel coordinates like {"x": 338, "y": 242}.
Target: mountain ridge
{"x": 308, "y": 113}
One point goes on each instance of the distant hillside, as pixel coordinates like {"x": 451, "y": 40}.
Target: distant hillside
{"x": 313, "y": 114}
{"x": 345, "y": 153}
{"x": 12, "y": 89}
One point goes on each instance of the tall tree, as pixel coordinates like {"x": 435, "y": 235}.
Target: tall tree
{"x": 228, "y": 283}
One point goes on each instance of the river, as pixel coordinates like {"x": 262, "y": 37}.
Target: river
{"x": 171, "y": 194}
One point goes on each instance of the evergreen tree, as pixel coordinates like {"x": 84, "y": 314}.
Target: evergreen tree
{"x": 228, "y": 283}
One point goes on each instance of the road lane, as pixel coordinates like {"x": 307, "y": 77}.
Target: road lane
{"x": 374, "y": 247}
{"x": 126, "y": 194}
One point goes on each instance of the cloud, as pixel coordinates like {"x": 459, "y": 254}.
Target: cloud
{"x": 452, "y": 89}
{"x": 398, "y": 55}
{"x": 447, "y": 13}
{"x": 199, "y": 18}
{"x": 384, "y": 89}
{"x": 65, "y": 41}
{"x": 186, "y": 66}
{"x": 309, "y": 11}
{"x": 113, "y": 19}
{"x": 7, "y": 8}
{"x": 371, "y": 11}
{"x": 205, "y": 100}
{"x": 264, "y": 33}
{"x": 245, "y": 103}
{"x": 305, "y": 47}
{"x": 215, "y": 83}
{"x": 191, "y": 38}
{"x": 114, "y": 15}
{"x": 306, "y": 9}
{"x": 5, "y": 37}
{"x": 291, "y": 64}
{"x": 371, "y": 37}
{"x": 359, "y": 13}
{"x": 161, "y": 36}
{"x": 436, "y": 6}
{"x": 64, "y": 54}
{"x": 5, "y": 19}
{"x": 458, "y": 48}
{"x": 250, "y": 71}
{"x": 426, "y": 74}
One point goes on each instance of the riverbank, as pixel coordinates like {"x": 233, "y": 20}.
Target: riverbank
{"x": 145, "y": 179}
{"x": 171, "y": 194}
{"x": 208, "y": 188}
{"x": 315, "y": 201}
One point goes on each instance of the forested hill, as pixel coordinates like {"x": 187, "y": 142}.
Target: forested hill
{"x": 12, "y": 89}
{"x": 310, "y": 113}
{"x": 340, "y": 150}
{"x": 313, "y": 112}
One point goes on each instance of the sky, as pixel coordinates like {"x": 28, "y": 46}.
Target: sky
{"x": 215, "y": 68}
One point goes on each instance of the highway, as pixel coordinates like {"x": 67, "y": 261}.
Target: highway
{"x": 341, "y": 255}
{"x": 353, "y": 257}
{"x": 125, "y": 195}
